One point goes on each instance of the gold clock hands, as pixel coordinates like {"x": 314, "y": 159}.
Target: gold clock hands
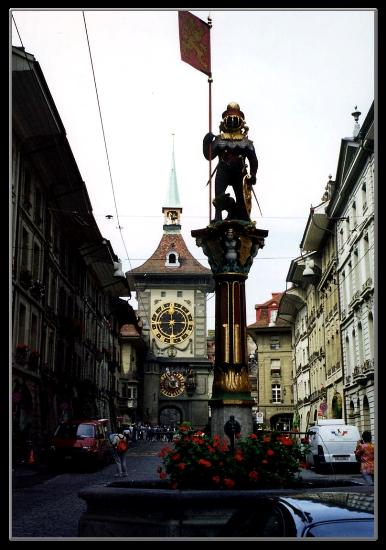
{"x": 171, "y": 309}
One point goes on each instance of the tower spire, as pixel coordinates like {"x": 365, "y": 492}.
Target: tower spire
{"x": 172, "y": 209}
{"x": 172, "y": 197}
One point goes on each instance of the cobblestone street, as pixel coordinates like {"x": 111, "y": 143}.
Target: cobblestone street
{"x": 45, "y": 504}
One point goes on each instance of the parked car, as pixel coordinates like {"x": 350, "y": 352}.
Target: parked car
{"x": 335, "y": 515}
{"x": 82, "y": 441}
{"x": 319, "y": 515}
{"x": 332, "y": 445}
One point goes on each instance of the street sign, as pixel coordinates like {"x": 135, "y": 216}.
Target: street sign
{"x": 323, "y": 406}
{"x": 259, "y": 417}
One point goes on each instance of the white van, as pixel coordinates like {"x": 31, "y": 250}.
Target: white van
{"x": 332, "y": 443}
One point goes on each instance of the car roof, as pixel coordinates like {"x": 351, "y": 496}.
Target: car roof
{"x": 326, "y": 506}
{"x": 76, "y": 421}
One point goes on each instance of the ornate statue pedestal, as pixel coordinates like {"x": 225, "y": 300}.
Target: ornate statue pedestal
{"x": 222, "y": 410}
{"x": 230, "y": 246}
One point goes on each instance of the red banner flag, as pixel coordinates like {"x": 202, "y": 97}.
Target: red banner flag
{"x": 194, "y": 41}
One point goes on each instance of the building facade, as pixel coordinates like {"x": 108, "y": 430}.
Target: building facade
{"x": 130, "y": 379}
{"x": 333, "y": 280}
{"x": 319, "y": 241}
{"x": 171, "y": 289}
{"x": 353, "y": 204}
{"x": 65, "y": 353}
{"x": 293, "y": 308}
{"x": 271, "y": 375}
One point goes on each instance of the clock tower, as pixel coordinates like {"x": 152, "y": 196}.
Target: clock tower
{"x": 171, "y": 288}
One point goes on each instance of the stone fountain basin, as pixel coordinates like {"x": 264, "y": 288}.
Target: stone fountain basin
{"x": 151, "y": 509}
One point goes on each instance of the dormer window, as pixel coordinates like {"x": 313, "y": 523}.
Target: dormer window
{"x": 272, "y": 317}
{"x": 172, "y": 259}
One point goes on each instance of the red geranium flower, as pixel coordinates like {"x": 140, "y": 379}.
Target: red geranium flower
{"x": 286, "y": 441}
{"x": 198, "y": 461}
{"x": 205, "y": 463}
{"x": 229, "y": 483}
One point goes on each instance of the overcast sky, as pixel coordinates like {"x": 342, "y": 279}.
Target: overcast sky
{"x": 297, "y": 76}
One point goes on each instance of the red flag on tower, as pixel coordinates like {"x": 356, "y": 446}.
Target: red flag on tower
{"x": 194, "y": 41}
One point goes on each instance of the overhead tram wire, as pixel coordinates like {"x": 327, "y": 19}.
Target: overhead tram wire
{"x": 109, "y": 167}
{"x": 53, "y": 129}
{"x": 55, "y": 137}
{"x": 103, "y": 132}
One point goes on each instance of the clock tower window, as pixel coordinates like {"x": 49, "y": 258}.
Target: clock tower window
{"x": 172, "y": 259}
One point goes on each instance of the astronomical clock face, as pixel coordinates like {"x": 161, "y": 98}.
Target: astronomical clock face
{"x": 172, "y": 384}
{"x": 172, "y": 323}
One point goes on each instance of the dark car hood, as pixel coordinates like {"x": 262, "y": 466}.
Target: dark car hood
{"x": 312, "y": 508}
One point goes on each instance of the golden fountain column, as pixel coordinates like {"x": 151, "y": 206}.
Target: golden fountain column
{"x": 230, "y": 246}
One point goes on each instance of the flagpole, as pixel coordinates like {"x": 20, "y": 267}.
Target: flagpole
{"x": 210, "y": 80}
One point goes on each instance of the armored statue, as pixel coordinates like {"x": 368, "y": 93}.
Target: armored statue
{"x": 232, "y": 147}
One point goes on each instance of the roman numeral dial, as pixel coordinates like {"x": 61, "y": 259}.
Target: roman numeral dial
{"x": 172, "y": 323}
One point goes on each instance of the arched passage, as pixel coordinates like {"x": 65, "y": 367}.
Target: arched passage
{"x": 336, "y": 406}
{"x": 281, "y": 421}
{"x": 170, "y": 416}
{"x": 366, "y": 415}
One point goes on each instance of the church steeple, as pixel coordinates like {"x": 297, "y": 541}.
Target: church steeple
{"x": 172, "y": 209}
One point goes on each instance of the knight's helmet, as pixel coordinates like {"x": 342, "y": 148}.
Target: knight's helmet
{"x": 233, "y": 119}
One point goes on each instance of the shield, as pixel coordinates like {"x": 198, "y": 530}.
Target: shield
{"x": 247, "y": 193}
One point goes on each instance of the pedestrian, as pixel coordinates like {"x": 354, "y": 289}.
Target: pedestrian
{"x": 365, "y": 454}
{"x": 127, "y": 433}
{"x": 120, "y": 447}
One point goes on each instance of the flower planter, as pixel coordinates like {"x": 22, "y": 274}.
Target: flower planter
{"x": 150, "y": 509}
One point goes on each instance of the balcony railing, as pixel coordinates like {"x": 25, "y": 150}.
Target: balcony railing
{"x": 315, "y": 394}
{"x": 27, "y": 357}
{"x": 358, "y": 373}
{"x": 355, "y": 299}
{"x": 367, "y": 286}
{"x": 311, "y": 316}
{"x": 368, "y": 366}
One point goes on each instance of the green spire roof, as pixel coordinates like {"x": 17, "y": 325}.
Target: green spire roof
{"x": 172, "y": 198}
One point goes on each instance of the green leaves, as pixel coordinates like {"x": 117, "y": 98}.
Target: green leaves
{"x": 197, "y": 461}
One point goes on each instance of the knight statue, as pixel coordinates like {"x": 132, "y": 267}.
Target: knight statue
{"x": 233, "y": 148}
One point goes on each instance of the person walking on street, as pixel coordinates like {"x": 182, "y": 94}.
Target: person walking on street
{"x": 120, "y": 447}
{"x": 365, "y": 454}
